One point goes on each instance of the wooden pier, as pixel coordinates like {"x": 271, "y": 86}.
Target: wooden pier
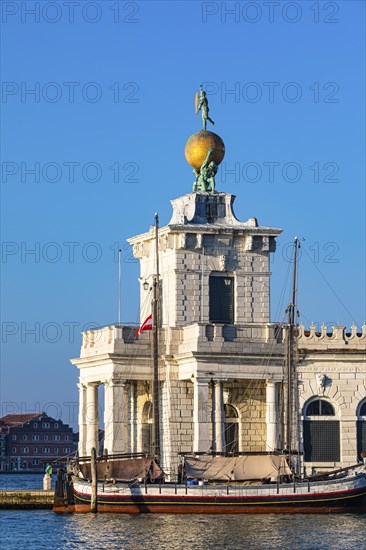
{"x": 26, "y": 499}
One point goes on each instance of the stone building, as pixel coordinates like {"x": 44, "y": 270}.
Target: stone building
{"x": 32, "y": 440}
{"x": 221, "y": 358}
{"x": 332, "y": 395}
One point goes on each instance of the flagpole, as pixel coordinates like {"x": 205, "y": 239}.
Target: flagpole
{"x": 119, "y": 284}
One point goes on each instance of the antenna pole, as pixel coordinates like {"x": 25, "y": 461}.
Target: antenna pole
{"x": 119, "y": 284}
{"x": 155, "y": 343}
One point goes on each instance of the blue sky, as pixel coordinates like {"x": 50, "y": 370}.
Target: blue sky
{"x": 104, "y": 132}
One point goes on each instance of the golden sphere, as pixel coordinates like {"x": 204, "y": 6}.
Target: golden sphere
{"x": 198, "y": 145}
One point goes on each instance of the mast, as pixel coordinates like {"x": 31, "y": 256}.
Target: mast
{"x": 290, "y": 359}
{"x": 119, "y": 284}
{"x": 155, "y": 346}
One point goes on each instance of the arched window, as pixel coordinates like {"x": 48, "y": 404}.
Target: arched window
{"x": 319, "y": 407}
{"x": 231, "y": 429}
{"x": 361, "y": 429}
{"x": 321, "y": 432}
{"x": 146, "y": 427}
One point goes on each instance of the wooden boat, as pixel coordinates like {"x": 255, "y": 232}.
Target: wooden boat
{"x": 343, "y": 491}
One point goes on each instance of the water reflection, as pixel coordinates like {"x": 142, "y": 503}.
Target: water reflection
{"x": 167, "y": 532}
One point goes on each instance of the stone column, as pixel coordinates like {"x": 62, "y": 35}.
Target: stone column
{"x": 82, "y": 420}
{"x": 132, "y": 418}
{"x": 92, "y": 420}
{"x": 201, "y": 416}
{"x": 218, "y": 428}
{"x": 272, "y": 416}
{"x": 114, "y": 426}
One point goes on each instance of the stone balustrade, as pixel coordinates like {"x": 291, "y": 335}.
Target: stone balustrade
{"x": 113, "y": 339}
{"x": 338, "y": 338}
{"x": 197, "y": 336}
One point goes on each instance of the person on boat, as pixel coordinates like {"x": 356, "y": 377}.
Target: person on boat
{"x": 180, "y": 475}
{"x": 48, "y": 469}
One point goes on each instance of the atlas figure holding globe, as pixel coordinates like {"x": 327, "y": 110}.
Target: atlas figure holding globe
{"x": 205, "y": 178}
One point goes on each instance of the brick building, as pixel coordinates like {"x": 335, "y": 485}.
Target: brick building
{"x": 29, "y": 441}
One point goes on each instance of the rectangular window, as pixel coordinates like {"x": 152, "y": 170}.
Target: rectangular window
{"x": 221, "y": 296}
{"x": 55, "y": 450}
{"x": 56, "y": 425}
{"x": 35, "y": 425}
{"x": 66, "y": 450}
{"x": 321, "y": 441}
{"x": 35, "y": 462}
{"x": 45, "y": 450}
{"x": 25, "y": 437}
{"x": 66, "y": 438}
{"x": 45, "y": 437}
{"x": 13, "y": 449}
{"x": 13, "y": 437}
{"x": 35, "y": 450}
{"x": 45, "y": 424}
{"x": 56, "y": 438}
{"x": 35, "y": 437}
{"x": 25, "y": 449}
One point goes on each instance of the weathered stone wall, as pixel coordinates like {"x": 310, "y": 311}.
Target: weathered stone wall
{"x": 249, "y": 398}
{"x": 185, "y": 270}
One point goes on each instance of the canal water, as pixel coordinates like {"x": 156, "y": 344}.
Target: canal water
{"x": 20, "y": 481}
{"x": 38, "y": 529}
{"x": 46, "y": 530}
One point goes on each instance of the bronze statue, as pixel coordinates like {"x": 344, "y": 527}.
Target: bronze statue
{"x": 205, "y": 177}
{"x": 202, "y": 105}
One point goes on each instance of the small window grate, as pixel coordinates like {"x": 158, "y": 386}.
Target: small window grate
{"x": 229, "y": 333}
{"x": 210, "y": 333}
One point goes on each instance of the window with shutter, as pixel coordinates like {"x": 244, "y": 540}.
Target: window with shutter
{"x": 221, "y": 296}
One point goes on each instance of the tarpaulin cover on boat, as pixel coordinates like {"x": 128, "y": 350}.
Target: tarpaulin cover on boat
{"x": 129, "y": 469}
{"x": 238, "y": 468}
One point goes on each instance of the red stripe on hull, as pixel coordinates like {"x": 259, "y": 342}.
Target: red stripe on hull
{"x": 212, "y": 509}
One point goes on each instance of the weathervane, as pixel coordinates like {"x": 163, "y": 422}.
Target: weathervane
{"x": 201, "y": 104}
{"x": 204, "y": 150}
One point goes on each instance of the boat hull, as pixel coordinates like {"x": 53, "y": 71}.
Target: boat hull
{"x": 199, "y": 500}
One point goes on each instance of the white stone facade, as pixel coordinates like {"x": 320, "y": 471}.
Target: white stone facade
{"x": 220, "y": 383}
{"x": 332, "y": 366}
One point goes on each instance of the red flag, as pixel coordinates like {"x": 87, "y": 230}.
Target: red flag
{"x": 146, "y": 325}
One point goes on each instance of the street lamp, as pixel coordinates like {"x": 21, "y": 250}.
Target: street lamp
{"x": 145, "y": 285}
